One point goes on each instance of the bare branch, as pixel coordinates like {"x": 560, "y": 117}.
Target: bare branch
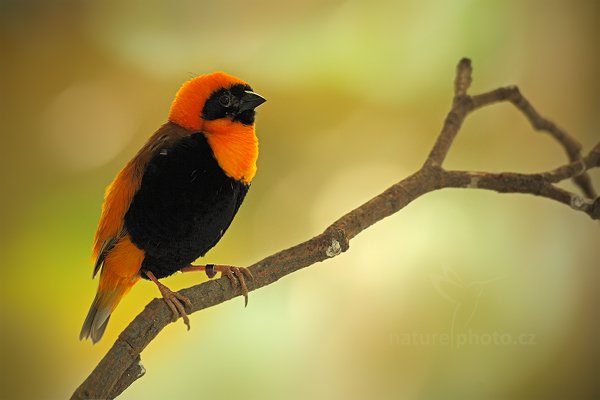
{"x": 461, "y": 106}
{"x": 575, "y": 169}
{"x": 571, "y": 146}
{"x": 121, "y": 366}
{"x": 510, "y": 182}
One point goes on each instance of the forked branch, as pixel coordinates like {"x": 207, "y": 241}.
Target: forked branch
{"x": 121, "y": 366}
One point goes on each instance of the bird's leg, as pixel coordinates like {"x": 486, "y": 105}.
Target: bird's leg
{"x": 173, "y": 299}
{"x": 229, "y": 271}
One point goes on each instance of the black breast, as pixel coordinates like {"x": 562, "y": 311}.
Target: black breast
{"x": 184, "y": 205}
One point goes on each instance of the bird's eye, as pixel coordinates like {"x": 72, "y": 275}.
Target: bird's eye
{"x": 225, "y": 100}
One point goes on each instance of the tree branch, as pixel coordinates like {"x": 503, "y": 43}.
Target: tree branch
{"x": 121, "y": 366}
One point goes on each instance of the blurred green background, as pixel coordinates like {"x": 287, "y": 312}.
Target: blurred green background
{"x": 463, "y": 294}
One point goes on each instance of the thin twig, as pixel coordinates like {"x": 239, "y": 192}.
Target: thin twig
{"x": 571, "y": 146}
{"x": 121, "y": 366}
{"x": 464, "y": 72}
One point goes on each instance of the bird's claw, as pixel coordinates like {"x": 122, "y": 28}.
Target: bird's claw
{"x": 237, "y": 276}
{"x": 176, "y": 302}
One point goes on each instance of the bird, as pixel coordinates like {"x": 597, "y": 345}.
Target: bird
{"x": 174, "y": 200}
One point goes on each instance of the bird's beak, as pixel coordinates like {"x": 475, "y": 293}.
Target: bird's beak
{"x": 250, "y": 100}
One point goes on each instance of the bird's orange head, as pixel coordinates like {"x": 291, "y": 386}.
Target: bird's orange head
{"x": 211, "y": 97}
{"x": 221, "y": 107}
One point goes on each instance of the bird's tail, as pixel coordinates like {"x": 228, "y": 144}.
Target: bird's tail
{"x": 111, "y": 290}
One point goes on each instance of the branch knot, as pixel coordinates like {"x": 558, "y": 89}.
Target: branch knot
{"x": 338, "y": 239}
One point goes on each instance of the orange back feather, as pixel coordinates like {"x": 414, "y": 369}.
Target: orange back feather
{"x": 120, "y": 192}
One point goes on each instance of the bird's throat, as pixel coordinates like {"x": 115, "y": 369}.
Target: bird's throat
{"x": 235, "y": 147}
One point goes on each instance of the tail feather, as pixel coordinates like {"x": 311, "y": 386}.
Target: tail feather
{"x": 96, "y": 321}
{"x": 106, "y": 300}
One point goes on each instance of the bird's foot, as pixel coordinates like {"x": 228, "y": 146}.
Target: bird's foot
{"x": 175, "y": 301}
{"x": 234, "y": 274}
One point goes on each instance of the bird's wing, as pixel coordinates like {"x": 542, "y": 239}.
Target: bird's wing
{"x": 120, "y": 192}
{"x": 185, "y": 202}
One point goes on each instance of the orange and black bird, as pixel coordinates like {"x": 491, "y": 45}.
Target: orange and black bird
{"x": 176, "y": 198}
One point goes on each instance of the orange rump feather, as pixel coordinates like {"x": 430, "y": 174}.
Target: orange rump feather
{"x": 119, "y": 273}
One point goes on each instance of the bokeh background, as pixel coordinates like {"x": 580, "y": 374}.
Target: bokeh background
{"x": 463, "y": 294}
